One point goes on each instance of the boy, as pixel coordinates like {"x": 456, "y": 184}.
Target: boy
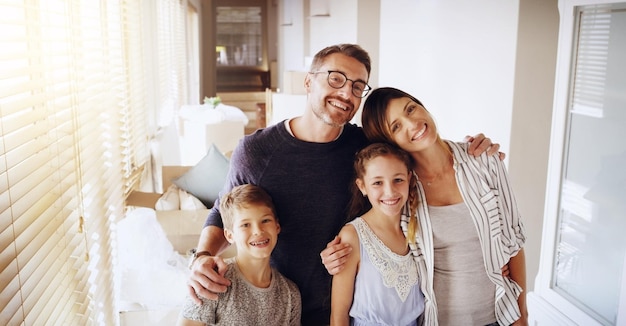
{"x": 258, "y": 294}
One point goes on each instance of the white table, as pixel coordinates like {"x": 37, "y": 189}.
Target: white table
{"x": 200, "y": 126}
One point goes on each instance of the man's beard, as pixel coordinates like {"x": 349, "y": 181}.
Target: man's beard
{"x": 324, "y": 115}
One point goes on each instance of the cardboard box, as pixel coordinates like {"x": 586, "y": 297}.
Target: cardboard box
{"x": 182, "y": 228}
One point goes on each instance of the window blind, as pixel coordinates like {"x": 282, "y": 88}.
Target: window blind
{"x": 172, "y": 53}
{"x": 591, "y": 61}
{"x": 74, "y": 128}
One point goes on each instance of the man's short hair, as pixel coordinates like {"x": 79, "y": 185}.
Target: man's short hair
{"x": 350, "y": 50}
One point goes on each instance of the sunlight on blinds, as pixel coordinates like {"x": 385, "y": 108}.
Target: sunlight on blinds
{"x": 73, "y": 135}
{"x": 171, "y": 52}
{"x": 132, "y": 98}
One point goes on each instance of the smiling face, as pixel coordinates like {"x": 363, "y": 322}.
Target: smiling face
{"x": 386, "y": 184}
{"x": 410, "y": 125}
{"x": 333, "y": 106}
{"x": 255, "y": 231}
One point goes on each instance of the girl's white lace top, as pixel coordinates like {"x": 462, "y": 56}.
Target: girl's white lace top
{"x": 387, "y": 288}
{"x": 398, "y": 272}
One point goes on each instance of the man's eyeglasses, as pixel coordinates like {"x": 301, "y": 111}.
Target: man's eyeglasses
{"x": 337, "y": 79}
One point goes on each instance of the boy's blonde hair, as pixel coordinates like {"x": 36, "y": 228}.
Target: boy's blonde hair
{"x": 242, "y": 197}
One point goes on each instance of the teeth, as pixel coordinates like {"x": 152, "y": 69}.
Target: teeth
{"x": 339, "y": 105}
{"x": 420, "y": 133}
{"x": 258, "y": 243}
{"x": 390, "y": 202}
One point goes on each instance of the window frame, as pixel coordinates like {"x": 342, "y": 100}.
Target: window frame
{"x": 547, "y": 305}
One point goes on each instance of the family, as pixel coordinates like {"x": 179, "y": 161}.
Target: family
{"x": 411, "y": 229}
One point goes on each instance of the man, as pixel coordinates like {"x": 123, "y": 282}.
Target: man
{"x": 305, "y": 164}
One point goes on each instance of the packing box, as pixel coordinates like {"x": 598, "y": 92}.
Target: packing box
{"x": 181, "y": 227}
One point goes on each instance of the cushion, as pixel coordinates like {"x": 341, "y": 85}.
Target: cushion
{"x": 169, "y": 201}
{"x": 205, "y": 179}
{"x": 189, "y": 202}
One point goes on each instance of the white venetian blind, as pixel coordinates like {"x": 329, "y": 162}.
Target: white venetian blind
{"x": 591, "y": 61}
{"x": 73, "y": 137}
{"x": 171, "y": 53}
{"x": 133, "y": 97}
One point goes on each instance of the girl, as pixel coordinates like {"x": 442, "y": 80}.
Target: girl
{"x": 380, "y": 284}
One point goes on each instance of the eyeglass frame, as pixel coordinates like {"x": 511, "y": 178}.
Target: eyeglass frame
{"x": 365, "y": 91}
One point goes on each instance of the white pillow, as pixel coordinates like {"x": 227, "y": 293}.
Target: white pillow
{"x": 189, "y": 202}
{"x": 169, "y": 201}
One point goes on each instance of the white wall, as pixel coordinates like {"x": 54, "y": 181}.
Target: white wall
{"x": 339, "y": 27}
{"x": 457, "y": 57}
{"x": 304, "y": 29}
{"x": 532, "y": 115}
{"x": 291, "y": 50}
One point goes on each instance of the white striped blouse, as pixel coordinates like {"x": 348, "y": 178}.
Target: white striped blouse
{"x": 484, "y": 185}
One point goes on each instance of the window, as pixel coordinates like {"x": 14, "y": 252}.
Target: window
{"x": 241, "y": 46}
{"x": 583, "y": 265}
{"x": 591, "y": 248}
{"x": 75, "y": 121}
{"x": 239, "y": 36}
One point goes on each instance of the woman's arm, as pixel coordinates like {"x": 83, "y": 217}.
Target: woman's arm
{"x": 513, "y": 231}
{"x": 343, "y": 282}
{"x": 512, "y": 228}
{"x": 517, "y": 272}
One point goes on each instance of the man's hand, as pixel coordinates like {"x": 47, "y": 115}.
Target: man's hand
{"x": 480, "y": 144}
{"x": 505, "y": 270}
{"x": 335, "y": 256}
{"x": 207, "y": 278}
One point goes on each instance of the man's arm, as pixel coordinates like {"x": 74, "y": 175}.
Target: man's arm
{"x": 207, "y": 272}
{"x": 212, "y": 239}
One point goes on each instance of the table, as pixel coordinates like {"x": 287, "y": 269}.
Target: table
{"x": 201, "y": 126}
